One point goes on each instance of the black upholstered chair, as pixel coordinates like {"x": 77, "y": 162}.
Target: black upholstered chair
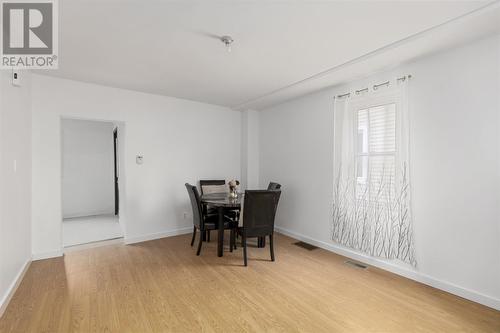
{"x": 205, "y": 222}
{"x": 273, "y": 186}
{"x": 259, "y": 211}
{"x": 204, "y": 185}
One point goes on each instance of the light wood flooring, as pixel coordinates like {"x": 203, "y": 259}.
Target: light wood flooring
{"x": 162, "y": 286}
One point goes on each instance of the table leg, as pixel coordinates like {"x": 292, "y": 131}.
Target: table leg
{"x": 220, "y": 238}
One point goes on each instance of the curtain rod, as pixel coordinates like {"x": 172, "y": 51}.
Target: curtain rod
{"x": 386, "y": 83}
{"x": 361, "y": 91}
{"x": 376, "y": 86}
{"x": 344, "y": 95}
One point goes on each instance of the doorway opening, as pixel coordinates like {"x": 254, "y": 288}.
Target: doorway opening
{"x": 91, "y": 154}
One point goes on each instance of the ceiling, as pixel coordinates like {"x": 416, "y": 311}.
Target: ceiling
{"x": 171, "y": 47}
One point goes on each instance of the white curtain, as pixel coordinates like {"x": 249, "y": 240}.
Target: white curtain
{"x": 371, "y": 206}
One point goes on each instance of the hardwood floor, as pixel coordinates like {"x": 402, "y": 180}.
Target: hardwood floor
{"x": 162, "y": 286}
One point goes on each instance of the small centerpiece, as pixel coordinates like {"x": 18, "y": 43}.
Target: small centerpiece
{"x": 233, "y": 187}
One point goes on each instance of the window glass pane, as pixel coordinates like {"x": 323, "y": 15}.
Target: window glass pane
{"x": 362, "y": 177}
{"x": 381, "y": 177}
{"x": 362, "y": 131}
{"x": 362, "y": 168}
{"x": 382, "y": 128}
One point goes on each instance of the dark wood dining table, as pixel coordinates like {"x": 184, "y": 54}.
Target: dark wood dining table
{"x": 222, "y": 202}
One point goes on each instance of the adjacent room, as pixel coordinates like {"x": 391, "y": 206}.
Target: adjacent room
{"x": 250, "y": 166}
{"x": 90, "y": 182}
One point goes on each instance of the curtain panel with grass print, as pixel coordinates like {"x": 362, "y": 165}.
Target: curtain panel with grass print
{"x": 371, "y": 205}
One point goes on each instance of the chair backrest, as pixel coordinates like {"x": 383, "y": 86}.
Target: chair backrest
{"x": 194, "y": 197}
{"x": 273, "y": 186}
{"x": 259, "y": 212}
{"x": 216, "y": 184}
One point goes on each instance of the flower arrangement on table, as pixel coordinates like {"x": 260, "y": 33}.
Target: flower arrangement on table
{"x": 233, "y": 187}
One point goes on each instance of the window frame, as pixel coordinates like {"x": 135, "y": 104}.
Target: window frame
{"x": 366, "y": 102}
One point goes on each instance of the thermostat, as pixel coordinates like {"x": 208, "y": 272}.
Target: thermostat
{"x": 16, "y": 80}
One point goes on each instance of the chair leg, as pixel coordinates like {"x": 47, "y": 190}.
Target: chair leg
{"x": 231, "y": 240}
{"x": 208, "y": 236}
{"x": 271, "y": 246}
{"x": 244, "y": 244}
{"x": 235, "y": 238}
{"x": 199, "y": 243}
{"x": 194, "y": 236}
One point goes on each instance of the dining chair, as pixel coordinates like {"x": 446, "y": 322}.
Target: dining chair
{"x": 259, "y": 211}
{"x": 273, "y": 186}
{"x": 216, "y": 186}
{"x": 213, "y": 186}
{"x": 205, "y": 222}
{"x": 208, "y": 186}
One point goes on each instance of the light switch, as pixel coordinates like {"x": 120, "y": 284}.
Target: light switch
{"x": 139, "y": 159}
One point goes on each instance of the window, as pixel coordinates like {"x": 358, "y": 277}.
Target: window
{"x": 372, "y": 192}
{"x": 375, "y": 152}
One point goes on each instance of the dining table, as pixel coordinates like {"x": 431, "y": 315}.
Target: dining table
{"x": 222, "y": 202}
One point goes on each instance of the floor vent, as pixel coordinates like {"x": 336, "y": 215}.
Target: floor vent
{"x": 306, "y": 246}
{"x": 355, "y": 264}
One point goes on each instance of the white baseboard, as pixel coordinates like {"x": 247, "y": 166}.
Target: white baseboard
{"x": 13, "y": 287}
{"x": 47, "y": 255}
{"x": 407, "y": 272}
{"x": 157, "y": 235}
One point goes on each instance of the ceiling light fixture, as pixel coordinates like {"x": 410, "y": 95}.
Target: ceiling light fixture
{"x": 227, "y": 40}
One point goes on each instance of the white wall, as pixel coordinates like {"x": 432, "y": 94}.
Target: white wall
{"x": 88, "y": 168}
{"x": 454, "y": 109}
{"x": 250, "y": 150}
{"x": 182, "y": 141}
{"x": 15, "y": 181}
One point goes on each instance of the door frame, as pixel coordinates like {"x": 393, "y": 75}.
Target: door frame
{"x": 115, "y": 156}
